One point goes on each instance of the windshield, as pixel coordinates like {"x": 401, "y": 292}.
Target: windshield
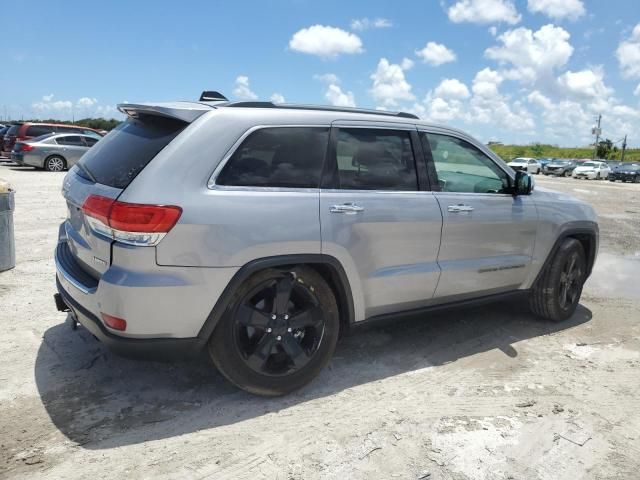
{"x": 13, "y": 130}
{"x": 589, "y": 164}
{"x": 634, "y": 167}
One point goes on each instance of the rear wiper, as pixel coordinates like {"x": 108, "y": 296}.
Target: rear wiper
{"x": 87, "y": 172}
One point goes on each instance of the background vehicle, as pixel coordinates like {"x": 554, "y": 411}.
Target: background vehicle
{"x": 629, "y": 172}
{"x": 3, "y": 131}
{"x": 53, "y": 152}
{"x": 529, "y": 165}
{"x": 591, "y": 170}
{"x": 562, "y": 168}
{"x": 26, "y": 131}
{"x": 260, "y": 231}
{"x": 544, "y": 162}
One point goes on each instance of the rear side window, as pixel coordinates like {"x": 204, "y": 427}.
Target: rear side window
{"x": 127, "y": 149}
{"x": 375, "y": 159}
{"x": 278, "y": 157}
{"x": 90, "y": 141}
{"x": 72, "y": 140}
{"x": 38, "y": 130}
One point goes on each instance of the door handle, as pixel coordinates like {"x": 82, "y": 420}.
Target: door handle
{"x": 460, "y": 208}
{"x": 348, "y": 208}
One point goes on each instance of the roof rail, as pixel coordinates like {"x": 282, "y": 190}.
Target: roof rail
{"x": 320, "y": 108}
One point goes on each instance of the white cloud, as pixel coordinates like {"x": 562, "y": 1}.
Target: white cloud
{"x": 325, "y": 42}
{"x": 406, "y": 64}
{"x": 628, "y": 54}
{"x": 557, "y": 9}
{"x": 389, "y": 84}
{"x": 242, "y": 89}
{"x": 277, "y": 98}
{"x": 48, "y": 105}
{"x": 636, "y": 92}
{"x": 327, "y": 78}
{"x": 484, "y": 12}
{"x": 365, "y": 23}
{"x": 585, "y": 84}
{"x": 451, "y": 88}
{"x": 335, "y": 96}
{"x": 86, "y": 102}
{"x": 436, "y": 54}
{"x": 493, "y": 30}
{"x": 530, "y": 54}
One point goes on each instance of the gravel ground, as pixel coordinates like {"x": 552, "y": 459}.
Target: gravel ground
{"x": 484, "y": 393}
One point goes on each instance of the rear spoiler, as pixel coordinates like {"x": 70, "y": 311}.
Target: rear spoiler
{"x": 184, "y": 111}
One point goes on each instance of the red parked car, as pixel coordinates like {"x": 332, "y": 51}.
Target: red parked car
{"x": 24, "y": 131}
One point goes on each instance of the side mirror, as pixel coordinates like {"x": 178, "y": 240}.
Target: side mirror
{"x": 523, "y": 183}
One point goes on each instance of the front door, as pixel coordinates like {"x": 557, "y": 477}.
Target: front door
{"x": 488, "y": 234}
{"x": 378, "y": 220}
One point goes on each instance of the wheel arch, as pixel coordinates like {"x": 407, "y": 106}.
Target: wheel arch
{"x": 327, "y": 266}
{"x": 588, "y": 238}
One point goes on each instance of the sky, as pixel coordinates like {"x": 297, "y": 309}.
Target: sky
{"x": 516, "y": 71}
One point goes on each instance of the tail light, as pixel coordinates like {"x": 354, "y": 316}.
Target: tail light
{"x": 131, "y": 223}
{"x": 25, "y": 147}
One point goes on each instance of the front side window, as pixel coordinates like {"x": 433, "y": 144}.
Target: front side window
{"x": 289, "y": 157}
{"x": 461, "y": 167}
{"x": 375, "y": 159}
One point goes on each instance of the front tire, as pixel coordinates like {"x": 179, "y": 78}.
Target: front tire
{"x": 557, "y": 292}
{"x": 278, "y": 332}
{"x": 55, "y": 163}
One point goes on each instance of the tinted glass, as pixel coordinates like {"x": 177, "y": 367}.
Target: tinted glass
{"x": 38, "y": 130}
{"x": 127, "y": 149}
{"x": 90, "y": 141}
{"x": 278, "y": 157}
{"x": 71, "y": 140}
{"x": 13, "y": 130}
{"x": 461, "y": 167}
{"x": 375, "y": 159}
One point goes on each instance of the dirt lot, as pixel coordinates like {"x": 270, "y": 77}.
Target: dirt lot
{"x": 486, "y": 393}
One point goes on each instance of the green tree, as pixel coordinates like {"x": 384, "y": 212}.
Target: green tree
{"x": 537, "y": 150}
{"x": 604, "y": 149}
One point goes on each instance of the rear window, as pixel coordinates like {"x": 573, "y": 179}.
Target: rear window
{"x": 38, "y": 130}
{"x": 13, "y": 130}
{"x": 127, "y": 149}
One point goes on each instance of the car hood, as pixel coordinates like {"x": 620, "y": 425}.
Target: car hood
{"x": 558, "y": 165}
{"x": 517, "y": 164}
{"x": 563, "y": 204}
{"x": 624, "y": 170}
{"x": 585, "y": 169}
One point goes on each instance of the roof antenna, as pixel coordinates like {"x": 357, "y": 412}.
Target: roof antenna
{"x": 212, "y": 96}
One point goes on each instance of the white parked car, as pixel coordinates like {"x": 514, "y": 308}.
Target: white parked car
{"x": 529, "y": 165}
{"x": 592, "y": 170}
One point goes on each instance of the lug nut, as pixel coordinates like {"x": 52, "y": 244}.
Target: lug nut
{"x": 273, "y": 317}
{"x": 278, "y": 338}
{"x": 269, "y": 330}
{"x": 286, "y": 317}
{"x": 289, "y": 329}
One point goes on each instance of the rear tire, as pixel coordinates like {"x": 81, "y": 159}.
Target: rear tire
{"x": 285, "y": 339}
{"x": 557, "y": 292}
{"x": 55, "y": 163}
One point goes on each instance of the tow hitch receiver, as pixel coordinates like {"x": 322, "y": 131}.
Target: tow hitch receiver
{"x": 60, "y": 305}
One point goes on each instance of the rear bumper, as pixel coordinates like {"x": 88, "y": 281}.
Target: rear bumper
{"x": 147, "y": 348}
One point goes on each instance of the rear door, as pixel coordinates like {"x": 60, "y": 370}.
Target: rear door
{"x": 106, "y": 170}
{"x": 487, "y": 234}
{"x": 378, "y": 217}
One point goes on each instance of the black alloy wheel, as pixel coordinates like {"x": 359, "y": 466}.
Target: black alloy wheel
{"x": 279, "y": 330}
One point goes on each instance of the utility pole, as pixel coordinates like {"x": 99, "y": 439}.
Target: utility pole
{"x": 624, "y": 147}
{"x": 597, "y": 133}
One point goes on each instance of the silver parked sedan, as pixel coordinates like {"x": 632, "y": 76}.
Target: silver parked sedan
{"x": 52, "y": 152}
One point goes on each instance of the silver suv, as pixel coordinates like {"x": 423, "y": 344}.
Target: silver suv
{"x": 263, "y": 232}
